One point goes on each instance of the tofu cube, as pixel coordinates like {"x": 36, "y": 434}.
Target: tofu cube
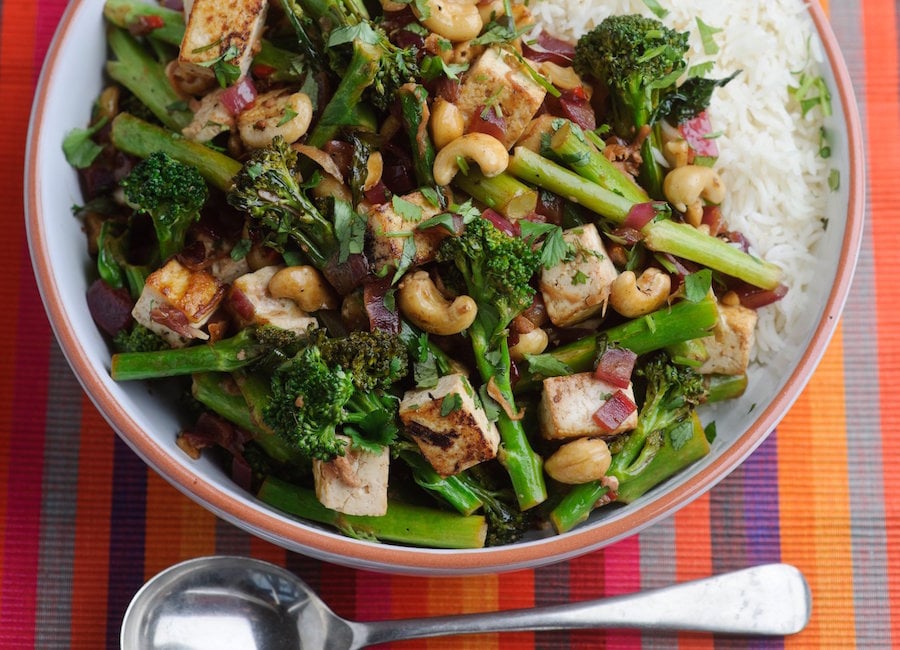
{"x": 226, "y": 31}
{"x": 731, "y": 341}
{"x": 388, "y": 231}
{"x": 498, "y": 82}
{"x": 568, "y": 404}
{"x": 451, "y": 428}
{"x": 176, "y": 302}
{"x": 578, "y": 287}
{"x": 355, "y": 483}
{"x": 251, "y": 303}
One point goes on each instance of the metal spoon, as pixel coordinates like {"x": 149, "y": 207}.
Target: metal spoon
{"x": 222, "y": 602}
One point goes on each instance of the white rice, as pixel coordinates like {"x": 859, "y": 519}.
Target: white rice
{"x": 769, "y": 153}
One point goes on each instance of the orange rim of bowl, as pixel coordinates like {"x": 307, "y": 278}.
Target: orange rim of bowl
{"x": 298, "y": 536}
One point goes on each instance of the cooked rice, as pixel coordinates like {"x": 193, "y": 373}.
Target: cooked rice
{"x": 769, "y": 153}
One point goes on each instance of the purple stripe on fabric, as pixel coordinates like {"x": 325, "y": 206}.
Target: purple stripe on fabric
{"x": 551, "y": 587}
{"x": 863, "y": 415}
{"x": 761, "y": 503}
{"x": 28, "y": 355}
{"x": 309, "y": 569}
{"x": 231, "y": 540}
{"x": 373, "y": 596}
{"x": 48, "y": 15}
{"x": 126, "y": 537}
{"x": 658, "y": 569}
{"x": 59, "y": 506}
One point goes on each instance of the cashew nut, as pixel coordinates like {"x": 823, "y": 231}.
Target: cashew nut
{"x": 634, "y": 296}
{"x": 687, "y": 187}
{"x": 329, "y": 186}
{"x": 305, "y": 286}
{"x": 421, "y": 302}
{"x": 564, "y": 78}
{"x": 579, "y": 461}
{"x": 275, "y": 113}
{"x": 485, "y": 150}
{"x": 455, "y": 20}
{"x": 374, "y": 170}
{"x": 446, "y": 123}
{"x": 521, "y": 14}
{"x": 532, "y": 342}
{"x": 390, "y": 5}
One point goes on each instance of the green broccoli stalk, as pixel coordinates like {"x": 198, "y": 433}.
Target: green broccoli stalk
{"x": 639, "y": 61}
{"x": 172, "y": 193}
{"x": 683, "y": 321}
{"x": 146, "y": 79}
{"x": 267, "y": 189}
{"x": 671, "y": 395}
{"x": 661, "y": 234}
{"x": 497, "y": 271}
{"x": 403, "y": 523}
{"x": 507, "y": 523}
{"x": 249, "y": 346}
{"x": 327, "y": 27}
{"x": 134, "y": 136}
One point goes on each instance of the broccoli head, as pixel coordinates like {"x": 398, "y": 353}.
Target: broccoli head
{"x": 497, "y": 269}
{"x": 639, "y": 59}
{"x": 314, "y": 397}
{"x": 139, "y": 339}
{"x": 267, "y": 189}
{"x": 172, "y": 193}
{"x": 307, "y": 404}
{"x": 374, "y": 360}
{"x": 672, "y": 392}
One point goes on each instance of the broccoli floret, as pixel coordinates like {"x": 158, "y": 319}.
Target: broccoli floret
{"x": 497, "y": 271}
{"x": 506, "y": 522}
{"x": 267, "y": 189}
{"x": 639, "y": 60}
{"x": 172, "y": 193}
{"x": 139, "y": 339}
{"x": 312, "y": 400}
{"x": 672, "y": 392}
{"x": 375, "y": 360}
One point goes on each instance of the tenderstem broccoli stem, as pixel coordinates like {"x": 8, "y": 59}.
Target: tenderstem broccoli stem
{"x": 683, "y": 240}
{"x": 664, "y": 236}
{"x": 682, "y": 321}
{"x": 223, "y": 356}
{"x": 571, "y": 147}
{"x": 523, "y": 465}
{"x": 413, "y": 112}
{"x": 403, "y": 523}
{"x": 128, "y": 13}
{"x": 577, "y": 504}
{"x": 216, "y": 392}
{"x": 504, "y": 193}
{"x": 543, "y": 172}
{"x": 342, "y": 109}
{"x": 134, "y": 136}
{"x": 146, "y": 78}
{"x": 451, "y": 489}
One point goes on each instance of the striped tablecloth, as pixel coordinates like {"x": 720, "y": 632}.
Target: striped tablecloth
{"x": 83, "y": 522}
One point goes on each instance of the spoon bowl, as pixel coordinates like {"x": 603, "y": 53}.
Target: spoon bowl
{"x": 225, "y": 603}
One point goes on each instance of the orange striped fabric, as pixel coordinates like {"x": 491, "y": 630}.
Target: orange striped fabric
{"x": 83, "y": 522}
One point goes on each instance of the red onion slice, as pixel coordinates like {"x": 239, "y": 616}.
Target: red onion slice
{"x": 238, "y": 97}
{"x": 615, "y": 367}
{"x": 614, "y": 411}
{"x": 640, "y": 215}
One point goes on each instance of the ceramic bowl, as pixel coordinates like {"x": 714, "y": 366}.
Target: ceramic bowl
{"x": 71, "y": 80}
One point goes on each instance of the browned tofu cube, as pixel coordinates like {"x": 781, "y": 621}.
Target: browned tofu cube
{"x": 225, "y": 31}
{"x": 451, "y": 429}
{"x": 176, "y": 302}
{"x": 731, "y": 342}
{"x": 497, "y": 82}
{"x": 568, "y": 405}
{"x": 578, "y": 287}
{"x": 389, "y": 230}
{"x": 355, "y": 483}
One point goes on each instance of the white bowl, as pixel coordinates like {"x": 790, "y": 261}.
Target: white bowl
{"x": 70, "y": 82}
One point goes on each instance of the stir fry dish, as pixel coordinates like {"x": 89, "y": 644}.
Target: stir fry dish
{"x": 425, "y": 272}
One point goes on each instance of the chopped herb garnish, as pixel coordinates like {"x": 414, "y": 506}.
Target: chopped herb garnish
{"x": 707, "y": 34}
{"x": 450, "y": 403}
{"x": 350, "y": 230}
{"x": 80, "y": 150}
{"x": 407, "y": 210}
{"x": 834, "y": 180}
{"x": 287, "y": 115}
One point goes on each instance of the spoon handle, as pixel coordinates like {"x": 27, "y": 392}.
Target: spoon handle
{"x": 771, "y": 599}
